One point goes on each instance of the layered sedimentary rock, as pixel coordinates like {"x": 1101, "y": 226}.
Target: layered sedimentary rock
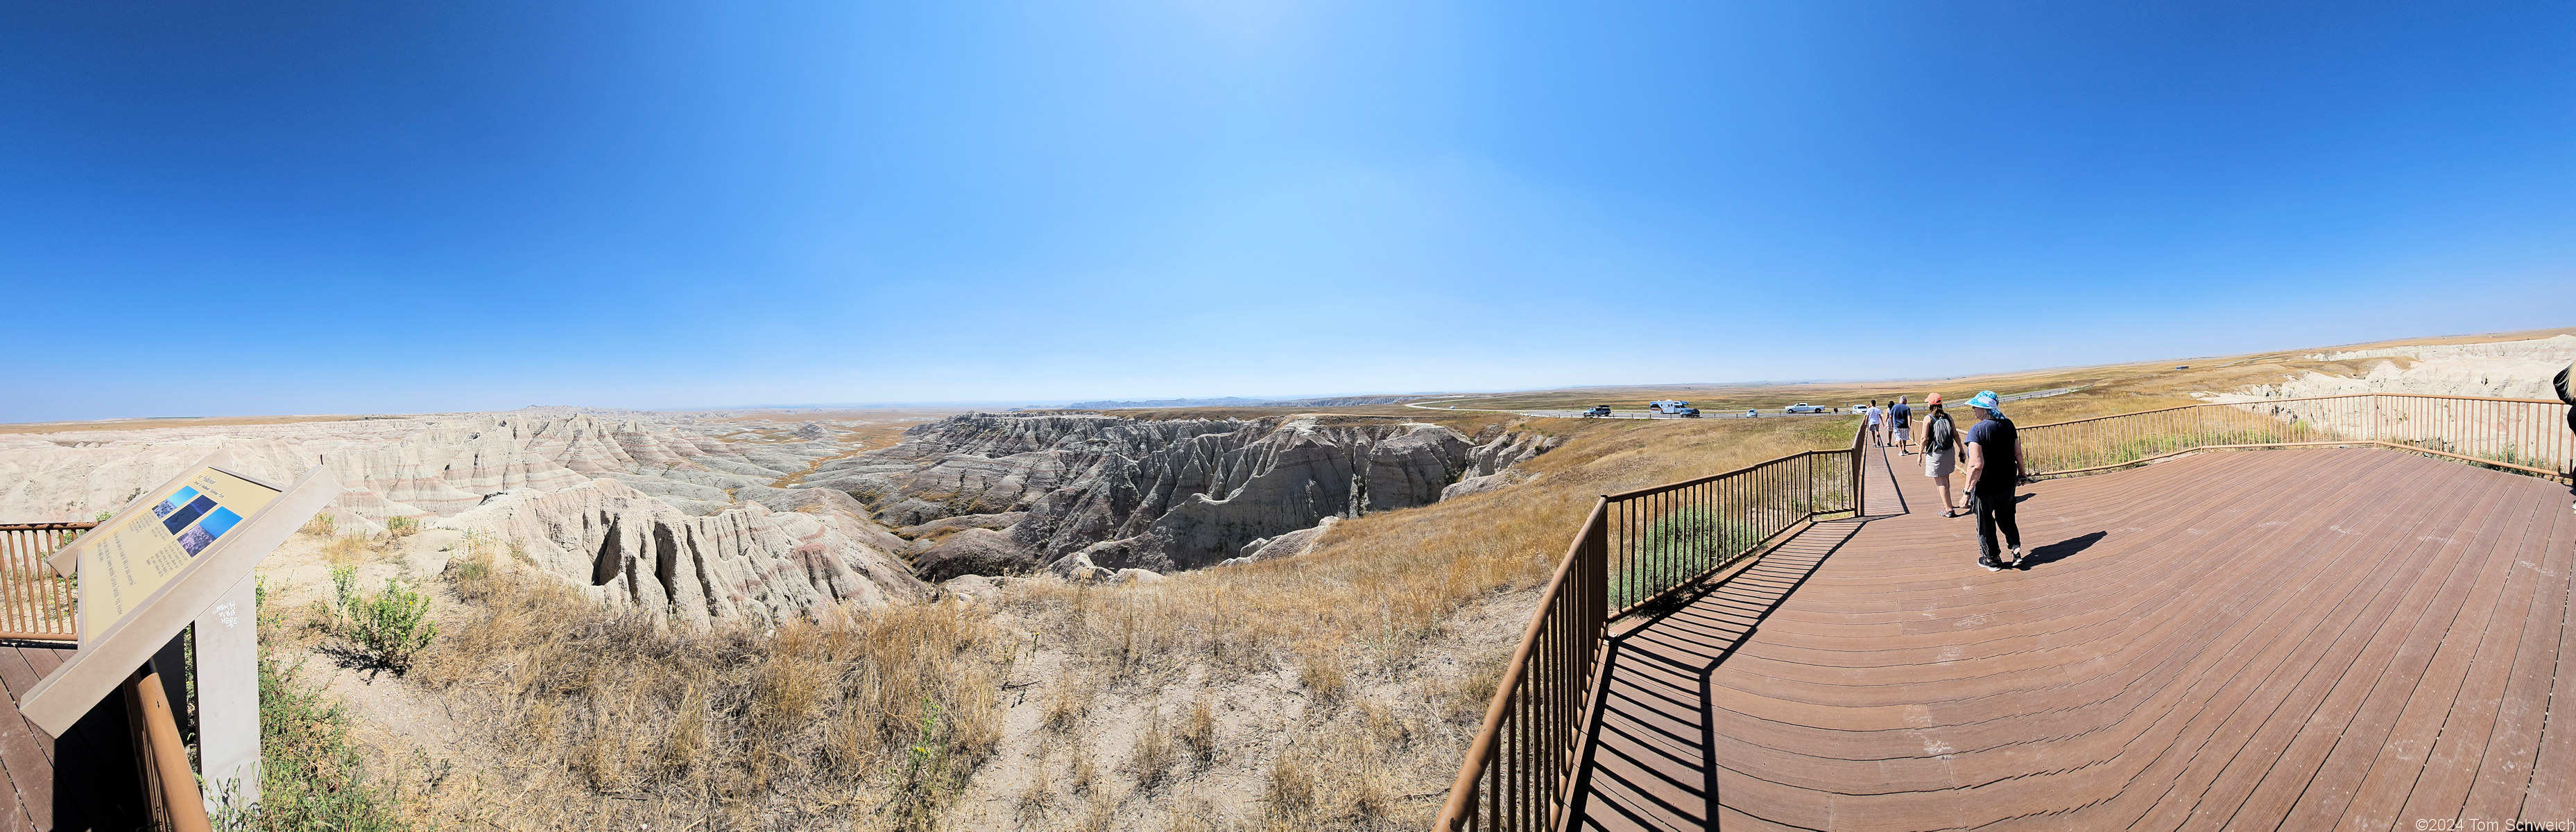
{"x": 750, "y": 562}
{"x": 1157, "y": 495}
{"x": 1288, "y": 545}
{"x": 766, "y": 551}
{"x": 2502, "y": 369}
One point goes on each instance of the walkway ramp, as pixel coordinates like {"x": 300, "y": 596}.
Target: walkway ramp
{"x": 2293, "y": 639}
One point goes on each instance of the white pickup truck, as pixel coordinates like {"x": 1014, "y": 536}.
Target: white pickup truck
{"x": 1803, "y": 407}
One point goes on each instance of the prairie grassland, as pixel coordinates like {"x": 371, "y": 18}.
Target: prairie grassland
{"x": 2156, "y": 379}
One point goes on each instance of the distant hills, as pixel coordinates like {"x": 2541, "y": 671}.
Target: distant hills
{"x": 1237, "y": 401}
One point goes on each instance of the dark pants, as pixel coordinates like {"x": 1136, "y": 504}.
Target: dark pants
{"x": 1994, "y": 510}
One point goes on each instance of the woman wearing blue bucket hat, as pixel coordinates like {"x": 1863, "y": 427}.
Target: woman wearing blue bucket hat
{"x": 1994, "y": 467}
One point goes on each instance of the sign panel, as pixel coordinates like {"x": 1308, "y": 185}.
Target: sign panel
{"x": 167, "y": 560}
{"x": 144, "y": 550}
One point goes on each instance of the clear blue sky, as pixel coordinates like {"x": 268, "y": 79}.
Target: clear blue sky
{"x": 260, "y": 207}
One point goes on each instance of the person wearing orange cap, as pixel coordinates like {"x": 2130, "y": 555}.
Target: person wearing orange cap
{"x": 1940, "y": 451}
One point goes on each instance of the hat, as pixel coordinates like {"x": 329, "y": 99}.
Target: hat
{"x": 1932, "y": 399}
{"x": 1985, "y": 400}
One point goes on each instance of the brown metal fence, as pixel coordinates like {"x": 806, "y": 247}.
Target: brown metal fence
{"x": 34, "y": 602}
{"x": 1632, "y": 549}
{"x": 2523, "y": 435}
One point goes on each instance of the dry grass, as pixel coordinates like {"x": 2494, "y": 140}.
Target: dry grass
{"x": 1065, "y": 706}
{"x": 1086, "y": 778}
{"x": 1292, "y": 788}
{"x": 1199, "y": 734}
{"x": 1355, "y": 629}
{"x": 878, "y": 717}
{"x": 1155, "y": 753}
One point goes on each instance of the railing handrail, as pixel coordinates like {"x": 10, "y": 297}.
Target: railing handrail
{"x": 1545, "y": 689}
{"x": 34, "y": 603}
{"x": 1658, "y": 489}
{"x": 2510, "y": 434}
{"x": 2286, "y": 401}
{"x": 1480, "y": 752}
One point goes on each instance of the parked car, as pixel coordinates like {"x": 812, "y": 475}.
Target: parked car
{"x": 1803, "y": 407}
{"x": 1597, "y": 411}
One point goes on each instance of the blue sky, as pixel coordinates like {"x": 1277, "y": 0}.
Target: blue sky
{"x": 394, "y": 207}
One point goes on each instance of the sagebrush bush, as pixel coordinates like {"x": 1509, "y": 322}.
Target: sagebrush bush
{"x": 389, "y": 628}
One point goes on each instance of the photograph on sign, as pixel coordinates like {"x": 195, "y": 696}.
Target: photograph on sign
{"x": 137, "y": 554}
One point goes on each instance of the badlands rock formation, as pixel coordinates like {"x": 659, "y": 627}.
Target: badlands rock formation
{"x": 675, "y": 515}
{"x": 1154, "y": 495}
{"x": 2503, "y": 369}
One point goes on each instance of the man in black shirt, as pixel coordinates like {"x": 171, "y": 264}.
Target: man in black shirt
{"x": 1901, "y": 418}
{"x": 1994, "y": 467}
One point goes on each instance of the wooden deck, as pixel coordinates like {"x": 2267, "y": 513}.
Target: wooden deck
{"x": 86, "y": 780}
{"x": 2291, "y": 639}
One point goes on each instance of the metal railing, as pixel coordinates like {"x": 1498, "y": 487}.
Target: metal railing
{"x": 1634, "y": 548}
{"x": 2523, "y": 435}
{"x": 34, "y": 602}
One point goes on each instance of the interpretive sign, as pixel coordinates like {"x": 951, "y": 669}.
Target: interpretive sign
{"x": 183, "y": 553}
{"x": 139, "y": 554}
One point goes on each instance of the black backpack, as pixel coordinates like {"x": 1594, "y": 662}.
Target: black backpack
{"x": 2566, "y": 382}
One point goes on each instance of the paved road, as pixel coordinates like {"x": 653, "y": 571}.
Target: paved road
{"x": 1459, "y": 404}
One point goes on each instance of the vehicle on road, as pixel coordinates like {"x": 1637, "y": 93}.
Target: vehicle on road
{"x": 1598, "y": 411}
{"x": 1860, "y": 410}
{"x": 1690, "y": 413}
{"x": 1668, "y": 408}
{"x": 1751, "y": 413}
{"x": 1803, "y": 407}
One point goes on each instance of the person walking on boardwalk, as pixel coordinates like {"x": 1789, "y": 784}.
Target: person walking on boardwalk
{"x": 1940, "y": 451}
{"x": 1994, "y": 467}
{"x": 1900, "y": 420}
{"x": 1873, "y": 425}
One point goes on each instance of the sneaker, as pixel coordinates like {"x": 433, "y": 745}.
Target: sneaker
{"x": 1989, "y": 564}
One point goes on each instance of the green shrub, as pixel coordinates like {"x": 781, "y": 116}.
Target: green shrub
{"x": 385, "y": 629}
{"x": 392, "y": 626}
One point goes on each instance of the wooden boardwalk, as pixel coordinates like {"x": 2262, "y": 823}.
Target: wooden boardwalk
{"x": 87, "y": 779}
{"x": 2280, "y": 639}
